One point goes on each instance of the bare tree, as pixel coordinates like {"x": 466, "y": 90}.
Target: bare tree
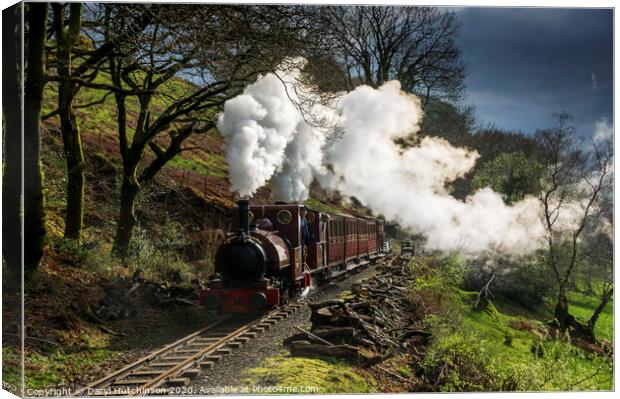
{"x": 415, "y": 45}
{"x": 217, "y": 50}
{"x": 575, "y": 182}
{"x": 77, "y": 64}
{"x": 600, "y": 259}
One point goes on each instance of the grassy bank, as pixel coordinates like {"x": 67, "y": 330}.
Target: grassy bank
{"x": 487, "y": 350}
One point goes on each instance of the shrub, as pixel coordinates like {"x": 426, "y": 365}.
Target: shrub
{"x": 526, "y": 283}
{"x": 459, "y": 363}
{"x": 70, "y": 251}
{"x": 161, "y": 258}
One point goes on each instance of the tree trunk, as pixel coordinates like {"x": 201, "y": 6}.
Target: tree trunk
{"x": 67, "y": 90}
{"x": 562, "y": 316}
{"x": 597, "y": 312}
{"x": 12, "y": 171}
{"x": 483, "y": 298}
{"x": 75, "y": 162}
{"x": 127, "y": 218}
{"x": 34, "y": 216}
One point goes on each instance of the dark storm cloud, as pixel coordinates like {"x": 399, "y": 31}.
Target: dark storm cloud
{"x": 527, "y": 63}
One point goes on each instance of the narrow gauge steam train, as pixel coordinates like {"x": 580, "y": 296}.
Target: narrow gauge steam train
{"x": 269, "y": 257}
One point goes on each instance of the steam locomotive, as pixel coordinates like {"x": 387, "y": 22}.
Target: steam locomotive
{"x": 274, "y": 253}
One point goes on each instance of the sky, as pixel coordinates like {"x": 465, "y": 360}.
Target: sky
{"x": 525, "y": 64}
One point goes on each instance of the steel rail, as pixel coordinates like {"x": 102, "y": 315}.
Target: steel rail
{"x": 128, "y": 368}
{"x": 171, "y": 373}
{"x": 104, "y": 386}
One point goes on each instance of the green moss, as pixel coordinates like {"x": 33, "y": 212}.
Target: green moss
{"x": 55, "y": 369}
{"x": 302, "y": 375}
{"x": 346, "y": 295}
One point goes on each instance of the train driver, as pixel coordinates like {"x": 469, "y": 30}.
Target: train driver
{"x": 306, "y": 235}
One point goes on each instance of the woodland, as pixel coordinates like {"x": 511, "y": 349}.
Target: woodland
{"x": 126, "y": 195}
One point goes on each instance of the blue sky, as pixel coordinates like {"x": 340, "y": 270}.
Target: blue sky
{"x": 525, "y": 64}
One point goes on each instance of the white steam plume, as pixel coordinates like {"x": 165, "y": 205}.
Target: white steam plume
{"x": 302, "y": 161}
{"x": 268, "y": 137}
{"x": 257, "y": 125}
{"x": 268, "y": 134}
{"x": 604, "y": 131}
{"x": 408, "y": 186}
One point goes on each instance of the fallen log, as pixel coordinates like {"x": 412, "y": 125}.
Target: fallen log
{"x": 327, "y": 303}
{"x": 112, "y": 332}
{"x": 323, "y": 316}
{"x": 334, "y": 332}
{"x": 347, "y": 352}
{"x": 336, "y": 335}
{"x": 359, "y": 305}
{"x": 305, "y": 349}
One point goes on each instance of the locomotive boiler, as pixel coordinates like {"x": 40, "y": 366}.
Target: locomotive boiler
{"x": 273, "y": 253}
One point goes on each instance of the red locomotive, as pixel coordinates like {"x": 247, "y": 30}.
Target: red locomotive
{"x": 275, "y": 252}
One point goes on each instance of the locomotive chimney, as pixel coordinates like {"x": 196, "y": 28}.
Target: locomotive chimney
{"x": 244, "y": 215}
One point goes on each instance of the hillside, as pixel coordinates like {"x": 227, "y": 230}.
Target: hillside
{"x": 178, "y": 214}
{"x": 198, "y": 175}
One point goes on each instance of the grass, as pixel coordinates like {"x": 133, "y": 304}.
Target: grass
{"x": 487, "y": 350}
{"x": 317, "y": 205}
{"x": 211, "y": 165}
{"x": 302, "y": 375}
{"x": 57, "y": 369}
{"x": 557, "y": 365}
{"x": 100, "y": 118}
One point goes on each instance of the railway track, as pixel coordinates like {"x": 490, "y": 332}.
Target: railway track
{"x": 175, "y": 364}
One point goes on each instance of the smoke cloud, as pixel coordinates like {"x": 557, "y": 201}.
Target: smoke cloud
{"x": 268, "y": 137}
{"x": 409, "y": 186}
{"x": 604, "y": 131}
{"x": 257, "y": 126}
